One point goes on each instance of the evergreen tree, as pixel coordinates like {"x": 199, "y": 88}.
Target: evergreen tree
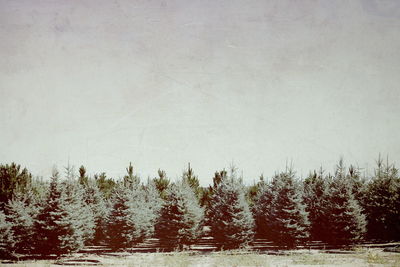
{"x": 153, "y": 200}
{"x": 7, "y": 242}
{"x": 119, "y": 226}
{"x": 61, "y": 224}
{"x": 263, "y": 211}
{"x": 280, "y": 213}
{"x": 106, "y": 185}
{"x": 131, "y": 180}
{"x": 131, "y": 218}
{"x": 96, "y": 202}
{"x": 357, "y": 183}
{"x": 231, "y": 221}
{"x": 382, "y": 202}
{"x": 347, "y": 222}
{"x": 49, "y": 226}
{"x": 12, "y": 180}
{"x": 79, "y": 213}
{"x": 193, "y": 181}
{"x": 181, "y": 216}
{"x": 162, "y": 183}
{"x": 316, "y": 199}
{"x": 21, "y": 213}
{"x": 83, "y": 178}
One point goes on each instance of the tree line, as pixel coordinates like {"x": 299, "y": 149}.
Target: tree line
{"x": 66, "y": 213}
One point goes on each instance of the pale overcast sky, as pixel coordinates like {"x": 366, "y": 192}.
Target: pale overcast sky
{"x": 162, "y": 83}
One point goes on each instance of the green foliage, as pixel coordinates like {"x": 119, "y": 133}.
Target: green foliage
{"x": 98, "y": 206}
{"x": 162, "y": 183}
{"x": 106, "y": 185}
{"x": 131, "y": 180}
{"x": 231, "y": 221}
{"x": 205, "y": 196}
{"x": 62, "y": 216}
{"x": 64, "y": 221}
{"x": 13, "y": 179}
{"x": 21, "y": 213}
{"x": 181, "y": 216}
{"x": 252, "y": 191}
{"x": 316, "y": 191}
{"x": 193, "y": 181}
{"x": 83, "y": 178}
{"x": 7, "y": 242}
{"x": 280, "y": 214}
{"x": 382, "y": 202}
{"x": 347, "y": 222}
{"x": 153, "y": 199}
{"x": 132, "y": 216}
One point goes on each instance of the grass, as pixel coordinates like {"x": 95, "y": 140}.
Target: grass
{"x": 359, "y": 257}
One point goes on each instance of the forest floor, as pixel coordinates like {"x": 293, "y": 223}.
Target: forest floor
{"x": 359, "y": 256}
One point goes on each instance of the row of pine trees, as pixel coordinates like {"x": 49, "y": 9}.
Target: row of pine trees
{"x": 65, "y": 214}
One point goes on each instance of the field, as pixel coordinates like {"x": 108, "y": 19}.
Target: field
{"x": 360, "y": 256}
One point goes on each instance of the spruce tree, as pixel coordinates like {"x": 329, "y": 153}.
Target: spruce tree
{"x": 382, "y": 202}
{"x": 21, "y": 213}
{"x": 153, "y": 201}
{"x": 264, "y": 212}
{"x": 62, "y": 223}
{"x": 7, "y": 242}
{"x": 181, "y": 217}
{"x": 133, "y": 214}
{"x": 347, "y": 222}
{"x": 79, "y": 213}
{"x": 119, "y": 227}
{"x": 231, "y": 221}
{"x": 281, "y": 215}
{"x": 316, "y": 201}
{"x": 96, "y": 202}
{"x": 49, "y": 225}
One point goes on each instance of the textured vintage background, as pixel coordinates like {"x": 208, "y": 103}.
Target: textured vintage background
{"x": 161, "y": 83}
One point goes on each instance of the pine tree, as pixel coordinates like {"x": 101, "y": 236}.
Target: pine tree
{"x": 162, "y": 183}
{"x": 193, "y": 181}
{"x": 382, "y": 202}
{"x": 132, "y": 216}
{"x": 7, "y": 242}
{"x": 264, "y": 212}
{"x": 131, "y": 180}
{"x": 79, "y": 213}
{"x": 231, "y": 221}
{"x": 21, "y": 213}
{"x": 153, "y": 201}
{"x": 83, "y": 178}
{"x": 142, "y": 216}
{"x": 62, "y": 222}
{"x": 119, "y": 228}
{"x": 49, "y": 226}
{"x": 316, "y": 200}
{"x": 347, "y": 222}
{"x": 96, "y": 202}
{"x": 357, "y": 183}
{"x": 280, "y": 213}
{"x": 12, "y": 179}
{"x": 181, "y": 216}
{"x": 106, "y": 185}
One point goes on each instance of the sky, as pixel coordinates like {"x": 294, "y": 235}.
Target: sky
{"x": 257, "y": 84}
